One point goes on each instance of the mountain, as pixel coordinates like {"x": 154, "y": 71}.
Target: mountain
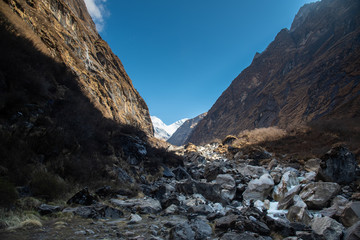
{"x": 65, "y": 31}
{"x": 163, "y": 131}
{"x": 308, "y": 73}
{"x": 183, "y": 132}
{"x": 69, "y": 114}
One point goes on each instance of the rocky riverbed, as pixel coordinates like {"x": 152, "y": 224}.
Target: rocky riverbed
{"x": 219, "y": 193}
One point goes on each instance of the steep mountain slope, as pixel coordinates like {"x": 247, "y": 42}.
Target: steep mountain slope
{"x": 64, "y": 30}
{"x": 183, "y": 132}
{"x": 309, "y": 72}
{"x": 163, "y": 131}
{"x": 69, "y": 115}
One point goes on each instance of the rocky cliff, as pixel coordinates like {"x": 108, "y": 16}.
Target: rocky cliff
{"x": 309, "y": 72}
{"x": 183, "y": 132}
{"x": 65, "y": 31}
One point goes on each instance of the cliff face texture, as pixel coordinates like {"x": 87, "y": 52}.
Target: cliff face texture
{"x": 183, "y": 132}
{"x": 63, "y": 30}
{"x": 309, "y": 72}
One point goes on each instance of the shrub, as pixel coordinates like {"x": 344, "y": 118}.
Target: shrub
{"x": 47, "y": 186}
{"x": 8, "y": 193}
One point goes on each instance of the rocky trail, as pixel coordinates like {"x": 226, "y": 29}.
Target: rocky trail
{"x": 219, "y": 195}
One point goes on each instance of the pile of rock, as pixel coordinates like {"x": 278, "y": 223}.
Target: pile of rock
{"x": 213, "y": 197}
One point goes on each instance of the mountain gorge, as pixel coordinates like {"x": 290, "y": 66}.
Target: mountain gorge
{"x": 310, "y": 72}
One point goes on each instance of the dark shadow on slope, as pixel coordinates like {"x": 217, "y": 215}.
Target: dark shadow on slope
{"x": 51, "y": 135}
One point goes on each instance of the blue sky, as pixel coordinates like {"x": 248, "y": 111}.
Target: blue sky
{"x": 182, "y": 54}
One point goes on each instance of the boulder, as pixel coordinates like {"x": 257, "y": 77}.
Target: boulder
{"x": 182, "y": 231}
{"x": 82, "y": 197}
{"x": 45, "y": 209}
{"x": 339, "y": 165}
{"x": 317, "y": 195}
{"x": 351, "y": 214}
{"x": 201, "y": 228}
{"x": 134, "y": 218}
{"x": 181, "y": 173}
{"x": 226, "y": 222}
{"x": 312, "y": 165}
{"x": 327, "y": 227}
{"x": 288, "y": 181}
{"x": 353, "y": 233}
{"x": 298, "y": 212}
{"x": 167, "y": 172}
{"x": 249, "y": 170}
{"x": 241, "y": 236}
{"x": 288, "y": 199}
{"x": 144, "y": 205}
{"x": 211, "y": 191}
{"x": 228, "y": 186}
{"x": 97, "y": 211}
{"x": 338, "y": 205}
{"x": 259, "y": 189}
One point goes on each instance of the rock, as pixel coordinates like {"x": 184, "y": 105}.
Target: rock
{"x": 248, "y": 170}
{"x": 351, "y": 214}
{"x": 201, "y": 228}
{"x": 338, "y": 205}
{"x": 182, "y": 231}
{"x": 83, "y": 197}
{"x": 213, "y": 170}
{"x": 134, "y": 218}
{"x": 317, "y": 195}
{"x": 123, "y": 176}
{"x": 288, "y": 199}
{"x": 210, "y": 191}
{"x": 309, "y": 177}
{"x": 144, "y": 205}
{"x": 45, "y": 209}
{"x": 241, "y": 236}
{"x": 312, "y": 165}
{"x": 288, "y": 181}
{"x": 259, "y": 189}
{"x": 227, "y": 183}
{"x": 201, "y": 209}
{"x": 327, "y": 227}
{"x": 255, "y": 225}
{"x": 272, "y": 164}
{"x": 229, "y": 140}
{"x": 171, "y": 209}
{"x": 226, "y": 222}
{"x": 181, "y": 173}
{"x": 167, "y": 172}
{"x": 353, "y": 233}
{"x": 298, "y": 212}
{"x": 339, "y": 165}
{"x": 280, "y": 226}
{"x": 98, "y": 211}
{"x": 104, "y": 192}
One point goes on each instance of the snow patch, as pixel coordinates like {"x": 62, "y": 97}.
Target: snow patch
{"x": 163, "y": 131}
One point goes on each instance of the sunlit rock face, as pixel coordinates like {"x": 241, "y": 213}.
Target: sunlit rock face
{"x": 65, "y": 31}
{"x": 307, "y": 73}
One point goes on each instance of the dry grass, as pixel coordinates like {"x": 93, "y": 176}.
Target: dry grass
{"x": 14, "y": 220}
{"x": 259, "y": 135}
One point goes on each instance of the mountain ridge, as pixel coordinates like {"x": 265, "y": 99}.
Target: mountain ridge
{"x": 163, "y": 131}
{"x": 307, "y": 73}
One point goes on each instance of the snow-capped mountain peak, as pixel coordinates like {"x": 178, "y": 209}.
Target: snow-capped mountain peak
{"x": 164, "y": 131}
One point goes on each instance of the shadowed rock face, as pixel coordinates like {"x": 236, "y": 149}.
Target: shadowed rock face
{"x": 65, "y": 31}
{"x": 307, "y": 73}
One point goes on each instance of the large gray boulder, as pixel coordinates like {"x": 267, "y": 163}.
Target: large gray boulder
{"x": 351, "y": 214}
{"x": 287, "y": 182}
{"x": 228, "y": 186}
{"x": 317, "y": 195}
{"x": 339, "y": 165}
{"x": 259, "y": 189}
{"x": 327, "y": 227}
{"x": 353, "y": 233}
{"x": 298, "y": 212}
{"x": 143, "y": 205}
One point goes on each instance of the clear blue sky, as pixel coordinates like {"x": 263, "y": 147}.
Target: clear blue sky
{"x": 182, "y": 54}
